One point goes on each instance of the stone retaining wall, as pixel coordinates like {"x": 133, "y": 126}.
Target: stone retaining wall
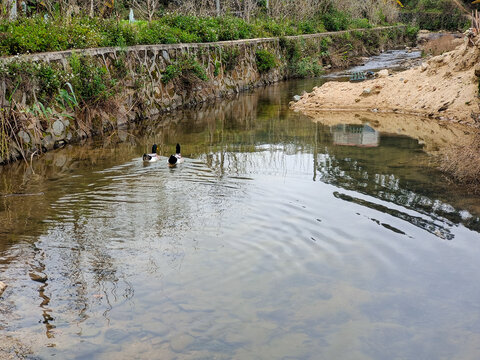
{"x": 143, "y": 93}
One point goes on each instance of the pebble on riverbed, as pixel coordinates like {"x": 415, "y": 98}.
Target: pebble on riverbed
{"x": 3, "y": 286}
{"x": 38, "y": 277}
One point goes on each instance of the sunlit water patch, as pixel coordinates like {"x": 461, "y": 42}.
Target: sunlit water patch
{"x": 277, "y": 238}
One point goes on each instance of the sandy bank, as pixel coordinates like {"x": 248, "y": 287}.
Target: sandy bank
{"x": 444, "y": 87}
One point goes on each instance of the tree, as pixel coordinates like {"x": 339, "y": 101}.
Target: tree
{"x": 147, "y": 8}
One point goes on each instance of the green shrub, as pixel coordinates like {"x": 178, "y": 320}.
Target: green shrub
{"x": 116, "y": 33}
{"x": 37, "y": 35}
{"x": 292, "y": 49}
{"x": 325, "y": 44}
{"x": 411, "y": 31}
{"x": 184, "y": 68}
{"x": 232, "y": 28}
{"x": 307, "y": 67}
{"x": 90, "y": 82}
{"x": 336, "y": 20}
{"x": 197, "y": 69}
{"x": 171, "y": 72}
{"x": 265, "y": 60}
{"x": 49, "y": 81}
{"x": 360, "y": 24}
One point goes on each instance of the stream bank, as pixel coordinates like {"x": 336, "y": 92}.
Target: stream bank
{"x": 51, "y": 99}
{"x": 444, "y": 88}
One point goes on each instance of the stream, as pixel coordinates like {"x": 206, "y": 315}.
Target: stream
{"x": 277, "y": 238}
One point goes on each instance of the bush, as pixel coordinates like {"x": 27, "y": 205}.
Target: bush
{"x": 360, "y": 24}
{"x": 90, "y": 82}
{"x": 336, "y": 20}
{"x": 291, "y": 48}
{"x": 171, "y": 72}
{"x": 184, "y": 68}
{"x": 37, "y": 35}
{"x": 49, "y": 81}
{"x": 115, "y": 33}
{"x": 325, "y": 45}
{"x": 34, "y": 35}
{"x": 231, "y": 28}
{"x": 411, "y": 32}
{"x": 307, "y": 67}
{"x": 265, "y": 60}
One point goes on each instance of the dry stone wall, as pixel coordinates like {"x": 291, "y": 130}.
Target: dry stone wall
{"x": 145, "y": 93}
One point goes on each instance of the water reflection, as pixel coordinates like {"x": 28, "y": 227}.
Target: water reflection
{"x": 238, "y": 253}
{"x": 355, "y": 135}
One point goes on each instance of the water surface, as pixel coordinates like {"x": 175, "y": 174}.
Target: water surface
{"x": 278, "y": 238}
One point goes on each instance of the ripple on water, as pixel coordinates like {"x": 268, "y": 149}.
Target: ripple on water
{"x": 241, "y": 252}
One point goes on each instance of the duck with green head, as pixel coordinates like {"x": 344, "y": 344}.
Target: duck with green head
{"x": 153, "y": 156}
{"x": 173, "y": 160}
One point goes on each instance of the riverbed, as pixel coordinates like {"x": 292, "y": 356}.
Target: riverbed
{"x": 277, "y": 238}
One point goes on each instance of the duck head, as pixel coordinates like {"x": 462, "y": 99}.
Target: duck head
{"x": 172, "y": 160}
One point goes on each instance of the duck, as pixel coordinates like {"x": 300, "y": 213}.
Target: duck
{"x": 173, "y": 160}
{"x": 153, "y": 156}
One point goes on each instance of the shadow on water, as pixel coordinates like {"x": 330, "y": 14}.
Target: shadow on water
{"x": 126, "y": 257}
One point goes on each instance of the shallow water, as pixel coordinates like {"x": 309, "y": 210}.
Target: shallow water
{"x": 394, "y": 60}
{"x": 278, "y": 238}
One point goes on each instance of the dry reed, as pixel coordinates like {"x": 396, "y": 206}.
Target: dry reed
{"x": 441, "y": 45}
{"x": 462, "y": 163}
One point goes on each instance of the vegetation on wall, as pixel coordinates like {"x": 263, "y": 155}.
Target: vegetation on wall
{"x": 265, "y": 60}
{"x": 230, "y": 57}
{"x": 57, "y": 93}
{"x": 303, "y": 59}
{"x": 187, "y": 69}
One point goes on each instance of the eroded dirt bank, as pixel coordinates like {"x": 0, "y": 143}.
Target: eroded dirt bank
{"x": 444, "y": 87}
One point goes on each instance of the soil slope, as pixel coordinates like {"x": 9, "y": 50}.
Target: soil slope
{"x": 443, "y": 87}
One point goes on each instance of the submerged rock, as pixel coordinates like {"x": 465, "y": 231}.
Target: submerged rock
{"x": 48, "y": 142}
{"x": 181, "y": 342}
{"x": 38, "y": 277}
{"x": 3, "y": 286}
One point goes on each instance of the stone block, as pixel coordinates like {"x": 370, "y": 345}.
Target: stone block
{"x": 24, "y": 136}
{"x": 58, "y": 127}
